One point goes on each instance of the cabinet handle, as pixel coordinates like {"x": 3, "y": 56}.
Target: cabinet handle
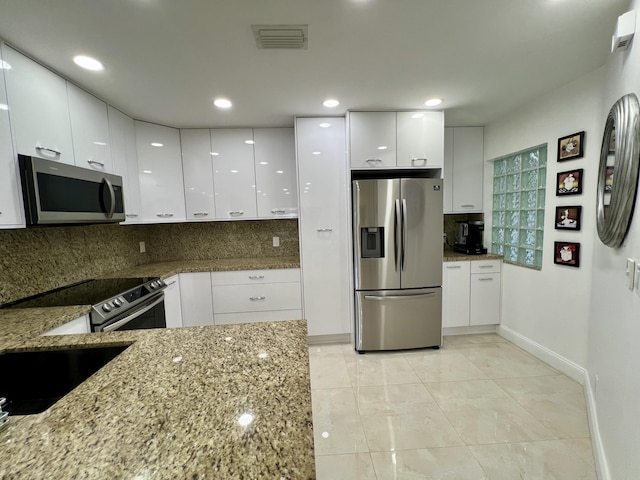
{"x": 51, "y": 150}
{"x": 325, "y": 230}
{"x": 373, "y": 160}
{"x": 453, "y": 267}
{"x": 278, "y": 211}
{"x": 171, "y": 283}
{"x": 131, "y": 215}
{"x": 423, "y": 160}
{"x": 200, "y": 214}
{"x": 95, "y": 162}
{"x": 256, "y": 277}
{"x": 485, "y": 266}
{"x": 236, "y": 213}
{"x": 486, "y": 279}
{"x": 164, "y": 215}
{"x": 467, "y": 206}
{"x": 256, "y": 299}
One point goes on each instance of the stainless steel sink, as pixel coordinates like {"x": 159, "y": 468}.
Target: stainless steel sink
{"x": 33, "y": 381}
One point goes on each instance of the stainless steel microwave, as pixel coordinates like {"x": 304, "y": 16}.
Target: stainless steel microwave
{"x": 55, "y": 193}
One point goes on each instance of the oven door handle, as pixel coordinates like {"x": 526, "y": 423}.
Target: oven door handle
{"x": 128, "y": 318}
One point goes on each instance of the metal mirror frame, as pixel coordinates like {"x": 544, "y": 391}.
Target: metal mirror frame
{"x": 613, "y": 220}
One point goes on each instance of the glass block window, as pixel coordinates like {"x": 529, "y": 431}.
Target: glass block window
{"x": 518, "y": 206}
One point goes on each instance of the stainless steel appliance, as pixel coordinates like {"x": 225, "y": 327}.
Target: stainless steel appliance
{"x": 55, "y": 193}
{"x": 469, "y": 237}
{"x": 397, "y": 231}
{"x": 116, "y": 303}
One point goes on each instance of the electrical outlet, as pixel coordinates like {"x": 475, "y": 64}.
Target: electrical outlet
{"x": 143, "y": 248}
{"x": 276, "y": 241}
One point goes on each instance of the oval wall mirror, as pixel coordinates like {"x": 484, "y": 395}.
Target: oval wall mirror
{"x": 618, "y": 172}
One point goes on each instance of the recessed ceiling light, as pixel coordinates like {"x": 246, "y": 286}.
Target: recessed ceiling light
{"x": 331, "y": 102}
{"x": 279, "y": 171}
{"x": 222, "y": 103}
{"x": 325, "y": 125}
{"x": 88, "y": 63}
{"x": 433, "y": 102}
{"x": 417, "y": 115}
{"x": 155, "y": 144}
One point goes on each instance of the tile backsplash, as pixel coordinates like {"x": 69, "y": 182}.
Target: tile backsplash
{"x": 34, "y": 260}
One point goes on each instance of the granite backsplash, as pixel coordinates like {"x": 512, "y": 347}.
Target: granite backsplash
{"x": 39, "y": 259}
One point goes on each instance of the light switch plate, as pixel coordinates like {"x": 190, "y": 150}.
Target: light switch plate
{"x": 276, "y": 241}
{"x": 631, "y": 273}
{"x": 143, "y": 248}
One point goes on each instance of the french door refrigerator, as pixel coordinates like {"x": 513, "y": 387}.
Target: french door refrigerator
{"x": 397, "y": 238}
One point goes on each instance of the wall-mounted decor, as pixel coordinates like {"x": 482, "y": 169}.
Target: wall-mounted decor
{"x": 569, "y": 182}
{"x": 568, "y": 218}
{"x": 614, "y": 206}
{"x": 571, "y": 146}
{"x": 566, "y": 253}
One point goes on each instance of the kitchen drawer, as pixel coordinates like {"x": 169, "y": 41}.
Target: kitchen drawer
{"x": 485, "y": 266}
{"x": 256, "y": 298}
{"x": 242, "y": 277}
{"x": 252, "y": 317}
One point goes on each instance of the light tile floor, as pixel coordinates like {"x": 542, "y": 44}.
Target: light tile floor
{"x": 478, "y": 408}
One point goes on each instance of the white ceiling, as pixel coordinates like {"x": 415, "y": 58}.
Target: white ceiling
{"x": 167, "y": 59}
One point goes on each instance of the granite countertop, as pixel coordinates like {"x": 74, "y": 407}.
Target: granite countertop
{"x": 449, "y": 255}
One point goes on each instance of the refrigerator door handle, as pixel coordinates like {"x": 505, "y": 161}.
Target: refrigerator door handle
{"x": 403, "y": 221}
{"x": 396, "y": 232}
{"x": 398, "y": 297}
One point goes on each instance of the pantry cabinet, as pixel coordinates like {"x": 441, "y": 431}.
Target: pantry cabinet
{"x": 39, "y": 108}
{"x": 89, "y": 130}
{"x": 125, "y": 162}
{"x": 323, "y": 224}
{"x": 196, "y": 299}
{"x": 463, "y": 169}
{"x": 197, "y": 167}
{"x": 160, "y": 173}
{"x": 396, "y": 139}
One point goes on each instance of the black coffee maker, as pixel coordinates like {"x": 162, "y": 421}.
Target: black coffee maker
{"x": 469, "y": 237}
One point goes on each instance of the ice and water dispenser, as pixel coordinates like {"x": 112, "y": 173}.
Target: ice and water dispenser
{"x": 372, "y": 242}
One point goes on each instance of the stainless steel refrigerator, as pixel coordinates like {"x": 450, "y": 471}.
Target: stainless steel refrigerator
{"x": 397, "y": 238}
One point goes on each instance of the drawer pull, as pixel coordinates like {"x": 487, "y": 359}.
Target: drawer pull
{"x": 423, "y": 160}
{"x": 485, "y": 266}
{"x": 256, "y": 277}
{"x": 257, "y": 299}
{"x": 236, "y": 213}
{"x": 50, "y": 150}
{"x": 325, "y": 230}
{"x": 467, "y": 206}
{"x": 164, "y": 215}
{"x": 486, "y": 279}
{"x": 95, "y": 162}
{"x": 373, "y": 160}
{"x": 278, "y": 211}
{"x": 398, "y": 297}
{"x": 131, "y": 215}
{"x": 454, "y": 267}
{"x": 200, "y": 214}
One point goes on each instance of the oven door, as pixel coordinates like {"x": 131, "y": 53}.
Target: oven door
{"x": 149, "y": 314}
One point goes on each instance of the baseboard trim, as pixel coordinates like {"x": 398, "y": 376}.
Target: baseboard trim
{"x": 469, "y": 330}
{"x": 334, "y": 338}
{"x": 575, "y": 372}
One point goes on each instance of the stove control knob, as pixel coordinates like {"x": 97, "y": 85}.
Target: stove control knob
{"x": 106, "y": 307}
{"x": 117, "y": 303}
{"x": 161, "y": 283}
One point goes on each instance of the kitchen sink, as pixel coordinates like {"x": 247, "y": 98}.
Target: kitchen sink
{"x": 33, "y": 381}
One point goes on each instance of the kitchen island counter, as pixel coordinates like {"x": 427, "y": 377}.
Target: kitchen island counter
{"x": 229, "y": 401}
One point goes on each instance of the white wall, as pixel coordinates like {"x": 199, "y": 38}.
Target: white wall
{"x": 614, "y": 320}
{"x": 551, "y": 306}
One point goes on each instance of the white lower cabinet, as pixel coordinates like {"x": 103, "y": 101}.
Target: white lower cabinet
{"x": 196, "y": 300}
{"x": 172, "y": 302}
{"x": 256, "y": 296}
{"x": 74, "y": 327}
{"x": 471, "y": 293}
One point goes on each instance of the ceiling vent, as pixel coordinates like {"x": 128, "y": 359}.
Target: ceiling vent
{"x": 281, "y": 36}
{"x": 625, "y": 30}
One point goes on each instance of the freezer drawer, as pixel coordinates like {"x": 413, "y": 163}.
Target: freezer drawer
{"x": 398, "y": 319}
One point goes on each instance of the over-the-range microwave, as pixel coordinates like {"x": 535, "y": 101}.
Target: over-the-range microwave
{"x": 55, "y": 193}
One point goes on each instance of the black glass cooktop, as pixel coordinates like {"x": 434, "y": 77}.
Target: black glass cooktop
{"x": 90, "y": 292}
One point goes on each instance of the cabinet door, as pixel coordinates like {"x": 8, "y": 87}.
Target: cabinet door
{"x": 485, "y": 299}
{"x": 172, "y": 303}
{"x": 89, "y": 130}
{"x": 455, "y": 294}
{"x": 447, "y": 171}
{"x": 125, "y": 161}
{"x": 198, "y": 174}
{"x": 160, "y": 173}
{"x": 324, "y": 251}
{"x": 234, "y": 179}
{"x": 275, "y": 164}
{"x": 39, "y": 109}
{"x": 372, "y": 139}
{"x": 468, "y": 168}
{"x": 420, "y": 139}
{"x": 11, "y": 211}
{"x": 196, "y": 299}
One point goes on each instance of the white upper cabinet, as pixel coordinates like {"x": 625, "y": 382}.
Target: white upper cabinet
{"x": 275, "y": 166}
{"x": 89, "y": 130}
{"x": 396, "y": 139}
{"x": 324, "y": 232}
{"x": 11, "y": 212}
{"x": 372, "y": 139}
{"x": 463, "y": 169}
{"x": 234, "y": 179}
{"x": 124, "y": 158}
{"x": 198, "y": 174}
{"x": 39, "y": 109}
{"x": 160, "y": 173}
{"x": 420, "y": 139}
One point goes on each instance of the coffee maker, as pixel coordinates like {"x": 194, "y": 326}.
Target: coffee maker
{"x": 469, "y": 237}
